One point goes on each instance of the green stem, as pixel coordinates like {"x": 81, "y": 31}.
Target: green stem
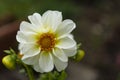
{"x": 29, "y": 72}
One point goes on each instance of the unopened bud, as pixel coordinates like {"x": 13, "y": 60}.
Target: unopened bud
{"x": 80, "y": 55}
{"x": 9, "y": 61}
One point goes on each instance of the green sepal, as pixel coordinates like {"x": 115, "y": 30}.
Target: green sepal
{"x": 11, "y": 51}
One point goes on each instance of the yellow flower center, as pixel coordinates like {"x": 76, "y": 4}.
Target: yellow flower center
{"x": 47, "y": 41}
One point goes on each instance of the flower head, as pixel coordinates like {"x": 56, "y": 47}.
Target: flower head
{"x": 46, "y": 41}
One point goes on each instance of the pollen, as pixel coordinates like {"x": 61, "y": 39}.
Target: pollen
{"x": 47, "y": 41}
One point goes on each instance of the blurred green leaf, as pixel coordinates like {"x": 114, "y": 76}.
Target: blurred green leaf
{"x": 53, "y": 76}
{"x": 11, "y": 51}
{"x": 23, "y": 8}
{"x": 7, "y": 51}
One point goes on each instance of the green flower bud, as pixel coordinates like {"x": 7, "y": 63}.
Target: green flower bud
{"x": 9, "y": 61}
{"x": 79, "y": 55}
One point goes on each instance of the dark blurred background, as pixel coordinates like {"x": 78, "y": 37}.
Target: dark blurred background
{"x": 98, "y": 29}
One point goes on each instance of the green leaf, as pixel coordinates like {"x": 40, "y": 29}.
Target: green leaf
{"x": 7, "y": 51}
{"x": 78, "y": 46}
{"x": 53, "y": 76}
{"x": 62, "y": 76}
{"x": 12, "y": 51}
{"x": 43, "y": 77}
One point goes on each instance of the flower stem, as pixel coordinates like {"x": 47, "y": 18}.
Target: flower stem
{"x": 29, "y": 72}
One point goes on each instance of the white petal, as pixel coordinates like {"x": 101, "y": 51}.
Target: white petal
{"x": 26, "y": 37}
{"x": 65, "y": 43}
{"x": 29, "y": 50}
{"x": 71, "y": 36}
{"x": 71, "y": 51}
{"x": 27, "y": 27}
{"x": 35, "y": 19}
{"x": 60, "y": 65}
{"x": 31, "y": 60}
{"x": 34, "y": 60}
{"x": 65, "y": 28}
{"x": 20, "y": 46}
{"x": 46, "y": 61}
{"x": 36, "y": 65}
{"x": 60, "y": 54}
{"x": 52, "y": 19}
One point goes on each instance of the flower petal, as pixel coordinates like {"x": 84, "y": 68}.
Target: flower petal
{"x": 65, "y": 43}
{"x": 60, "y": 54}
{"x": 65, "y": 28}
{"x": 20, "y": 46}
{"x": 35, "y": 19}
{"x": 36, "y": 65}
{"x": 52, "y": 19}
{"x": 37, "y": 68}
{"x": 71, "y": 36}
{"x": 59, "y": 64}
{"x": 31, "y": 60}
{"x": 26, "y": 37}
{"x": 71, "y": 51}
{"x": 27, "y": 27}
{"x": 29, "y": 50}
{"x": 46, "y": 61}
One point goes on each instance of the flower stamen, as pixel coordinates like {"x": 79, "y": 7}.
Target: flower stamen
{"x": 46, "y": 41}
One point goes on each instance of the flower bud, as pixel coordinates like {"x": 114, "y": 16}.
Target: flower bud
{"x": 80, "y": 55}
{"x": 9, "y": 61}
{"x": 20, "y": 55}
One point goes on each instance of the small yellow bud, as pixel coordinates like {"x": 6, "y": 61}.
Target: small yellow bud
{"x": 9, "y": 61}
{"x": 20, "y": 55}
{"x": 80, "y": 55}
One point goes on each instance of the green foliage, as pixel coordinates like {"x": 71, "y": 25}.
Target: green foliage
{"x": 118, "y": 77}
{"x": 11, "y": 51}
{"x": 53, "y": 76}
{"x": 23, "y": 8}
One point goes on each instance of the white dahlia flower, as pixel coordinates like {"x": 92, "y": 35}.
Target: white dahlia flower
{"x": 46, "y": 41}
